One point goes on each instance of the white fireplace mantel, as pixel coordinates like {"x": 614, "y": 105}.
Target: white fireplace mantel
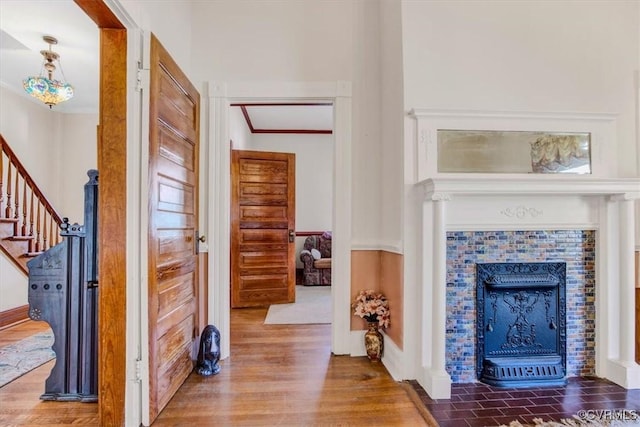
{"x": 534, "y": 202}
{"x": 547, "y": 185}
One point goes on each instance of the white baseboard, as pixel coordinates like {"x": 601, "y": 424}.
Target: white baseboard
{"x": 391, "y": 358}
{"x": 625, "y": 374}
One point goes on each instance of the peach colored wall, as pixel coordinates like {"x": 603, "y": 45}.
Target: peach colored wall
{"x": 638, "y": 269}
{"x": 638, "y": 325}
{"x": 365, "y": 274}
{"x": 638, "y": 306}
{"x": 382, "y": 272}
{"x": 391, "y": 285}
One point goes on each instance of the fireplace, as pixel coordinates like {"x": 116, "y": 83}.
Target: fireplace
{"x": 521, "y": 329}
{"x": 586, "y": 223}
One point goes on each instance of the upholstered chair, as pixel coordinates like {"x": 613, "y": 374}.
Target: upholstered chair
{"x": 316, "y": 257}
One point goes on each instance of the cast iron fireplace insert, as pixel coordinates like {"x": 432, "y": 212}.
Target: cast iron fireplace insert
{"x": 521, "y": 328}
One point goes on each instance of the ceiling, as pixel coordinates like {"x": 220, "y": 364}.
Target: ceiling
{"x": 23, "y": 23}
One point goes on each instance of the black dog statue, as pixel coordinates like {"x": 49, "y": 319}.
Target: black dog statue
{"x": 209, "y": 353}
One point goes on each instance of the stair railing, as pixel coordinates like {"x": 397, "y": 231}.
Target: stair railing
{"x": 21, "y": 202}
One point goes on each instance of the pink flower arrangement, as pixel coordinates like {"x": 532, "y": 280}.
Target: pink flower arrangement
{"x": 372, "y": 306}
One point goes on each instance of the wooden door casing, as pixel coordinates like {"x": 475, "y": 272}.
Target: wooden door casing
{"x": 173, "y": 208}
{"x": 262, "y": 217}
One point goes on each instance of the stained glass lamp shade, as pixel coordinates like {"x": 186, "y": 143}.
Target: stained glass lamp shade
{"x": 46, "y": 89}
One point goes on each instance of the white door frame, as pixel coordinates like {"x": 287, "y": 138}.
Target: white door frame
{"x": 218, "y": 155}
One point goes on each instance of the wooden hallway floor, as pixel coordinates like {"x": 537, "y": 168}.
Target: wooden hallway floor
{"x": 278, "y": 375}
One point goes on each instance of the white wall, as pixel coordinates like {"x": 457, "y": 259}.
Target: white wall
{"x": 32, "y": 131}
{"x": 526, "y": 55}
{"x": 367, "y": 172}
{"x": 302, "y": 41}
{"x": 392, "y": 118}
{"x": 170, "y": 21}
{"x": 79, "y": 154}
{"x": 291, "y": 40}
{"x": 56, "y": 149}
{"x": 239, "y": 132}
{"x": 13, "y": 285}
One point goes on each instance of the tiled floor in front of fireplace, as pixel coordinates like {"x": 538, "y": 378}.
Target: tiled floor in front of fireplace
{"x": 478, "y": 404}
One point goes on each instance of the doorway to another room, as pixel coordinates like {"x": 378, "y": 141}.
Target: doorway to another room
{"x": 221, "y": 96}
{"x": 281, "y": 227}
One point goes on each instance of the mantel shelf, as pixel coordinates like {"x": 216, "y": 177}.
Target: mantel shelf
{"x": 547, "y": 185}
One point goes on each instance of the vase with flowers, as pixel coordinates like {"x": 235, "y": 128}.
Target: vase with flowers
{"x": 374, "y": 308}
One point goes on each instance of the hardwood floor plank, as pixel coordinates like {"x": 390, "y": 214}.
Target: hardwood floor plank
{"x": 21, "y": 331}
{"x": 281, "y": 375}
{"x": 286, "y": 375}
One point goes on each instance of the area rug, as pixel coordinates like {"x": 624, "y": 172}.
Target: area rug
{"x": 313, "y": 305}
{"x": 21, "y": 357}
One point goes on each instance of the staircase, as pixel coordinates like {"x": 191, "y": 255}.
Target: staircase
{"x": 28, "y": 223}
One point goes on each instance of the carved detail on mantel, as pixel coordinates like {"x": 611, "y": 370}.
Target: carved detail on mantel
{"x": 521, "y": 212}
{"x": 440, "y": 197}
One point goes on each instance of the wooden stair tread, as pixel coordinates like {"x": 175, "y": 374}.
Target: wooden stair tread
{"x": 20, "y": 238}
{"x": 9, "y": 220}
{"x": 31, "y": 254}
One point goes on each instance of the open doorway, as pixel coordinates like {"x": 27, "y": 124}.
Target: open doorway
{"x": 296, "y": 289}
{"x": 221, "y": 96}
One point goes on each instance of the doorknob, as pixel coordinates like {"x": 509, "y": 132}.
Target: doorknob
{"x": 201, "y": 239}
{"x": 292, "y": 236}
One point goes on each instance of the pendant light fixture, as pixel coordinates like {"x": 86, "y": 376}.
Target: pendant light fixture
{"x": 46, "y": 89}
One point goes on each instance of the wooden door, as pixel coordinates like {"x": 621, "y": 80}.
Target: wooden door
{"x": 262, "y": 228}
{"x": 174, "y": 110}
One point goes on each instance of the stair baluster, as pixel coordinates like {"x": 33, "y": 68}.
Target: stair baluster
{"x": 23, "y": 228}
{"x": 16, "y": 203}
{"x": 38, "y": 246}
{"x": 23, "y": 207}
{"x": 7, "y": 212}
{"x": 31, "y": 223}
{"x": 1, "y": 178}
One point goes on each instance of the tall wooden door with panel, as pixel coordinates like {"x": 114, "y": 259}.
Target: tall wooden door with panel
{"x": 174, "y": 123}
{"x": 262, "y": 228}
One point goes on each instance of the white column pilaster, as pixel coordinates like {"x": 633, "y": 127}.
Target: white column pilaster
{"x": 437, "y": 379}
{"x": 623, "y": 369}
{"x": 627, "y": 289}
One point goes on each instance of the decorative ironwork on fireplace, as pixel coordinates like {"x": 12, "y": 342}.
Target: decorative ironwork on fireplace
{"x": 521, "y": 327}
